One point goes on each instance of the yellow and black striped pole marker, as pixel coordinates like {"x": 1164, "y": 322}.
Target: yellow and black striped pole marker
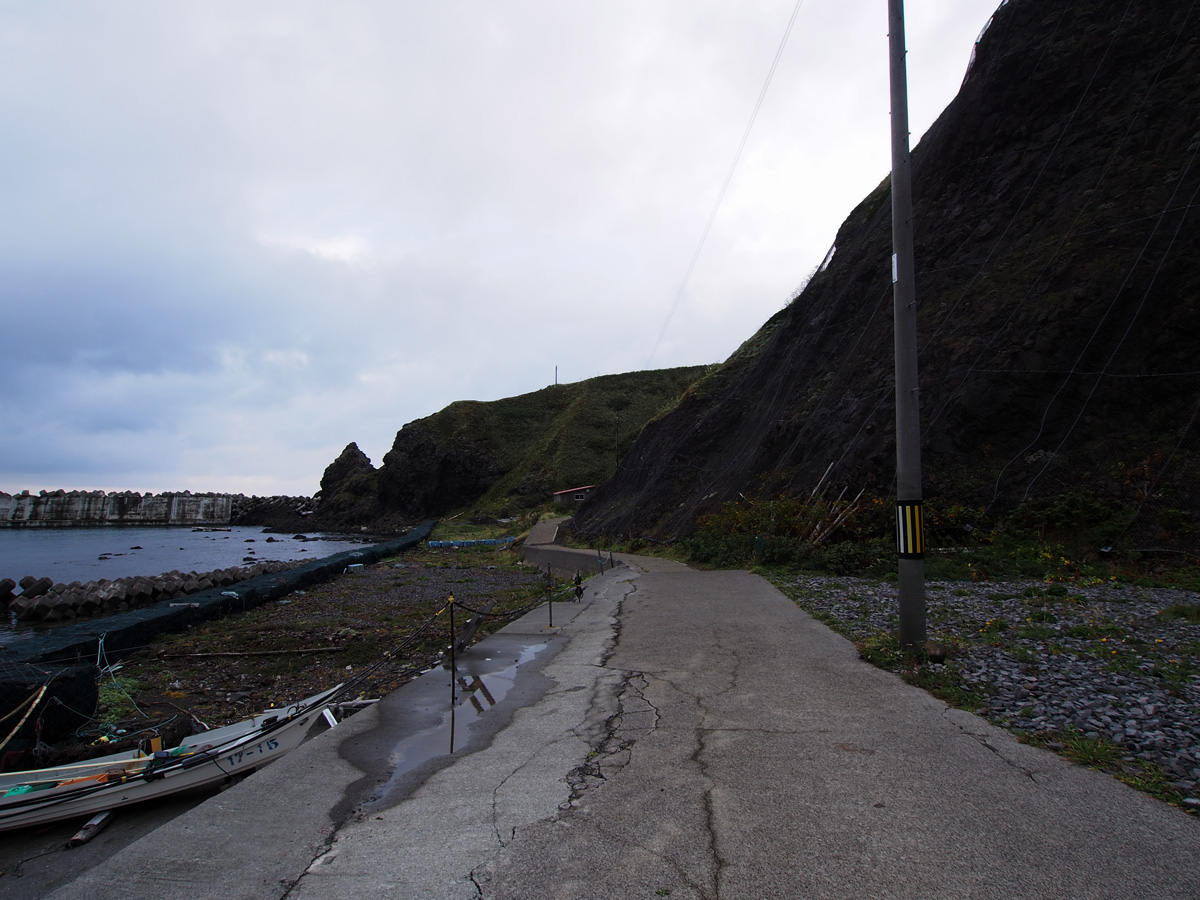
{"x": 910, "y": 567}
{"x": 910, "y": 529}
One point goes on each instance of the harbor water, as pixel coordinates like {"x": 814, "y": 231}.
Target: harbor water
{"x": 89, "y": 554}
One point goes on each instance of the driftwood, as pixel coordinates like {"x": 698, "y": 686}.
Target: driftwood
{"x": 191, "y": 715}
{"x": 249, "y": 653}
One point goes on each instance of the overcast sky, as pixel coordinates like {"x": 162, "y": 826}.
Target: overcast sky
{"x": 235, "y": 236}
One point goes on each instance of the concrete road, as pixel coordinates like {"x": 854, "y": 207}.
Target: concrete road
{"x": 681, "y": 734}
{"x": 756, "y": 756}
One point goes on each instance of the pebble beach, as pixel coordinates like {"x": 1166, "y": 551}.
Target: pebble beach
{"x": 1108, "y": 662}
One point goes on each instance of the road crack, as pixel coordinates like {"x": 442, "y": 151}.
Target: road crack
{"x": 703, "y": 732}
{"x": 953, "y": 716}
{"x": 324, "y": 855}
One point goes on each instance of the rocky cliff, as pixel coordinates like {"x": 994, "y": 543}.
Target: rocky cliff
{"x": 349, "y": 490}
{"x": 500, "y": 456}
{"x": 1059, "y": 303}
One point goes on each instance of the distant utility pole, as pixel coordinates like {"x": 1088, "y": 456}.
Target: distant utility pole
{"x": 910, "y": 532}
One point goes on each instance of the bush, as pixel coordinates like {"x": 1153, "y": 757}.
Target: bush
{"x": 839, "y": 538}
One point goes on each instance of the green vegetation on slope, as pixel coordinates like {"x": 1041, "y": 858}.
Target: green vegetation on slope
{"x": 504, "y": 457}
{"x": 1067, "y": 538}
{"x": 566, "y": 436}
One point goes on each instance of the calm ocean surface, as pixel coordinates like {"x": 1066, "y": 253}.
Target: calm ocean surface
{"x": 89, "y": 554}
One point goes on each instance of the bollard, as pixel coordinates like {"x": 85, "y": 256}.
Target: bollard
{"x": 453, "y": 672}
{"x": 453, "y": 667}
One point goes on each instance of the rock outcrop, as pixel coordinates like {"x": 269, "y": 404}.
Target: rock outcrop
{"x": 1059, "y": 303}
{"x": 349, "y": 490}
{"x": 429, "y": 471}
{"x": 280, "y": 513}
{"x": 513, "y": 454}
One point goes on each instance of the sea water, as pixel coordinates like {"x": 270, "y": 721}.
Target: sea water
{"x": 116, "y": 551}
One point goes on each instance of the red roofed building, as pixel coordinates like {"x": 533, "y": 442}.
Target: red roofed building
{"x": 573, "y": 495}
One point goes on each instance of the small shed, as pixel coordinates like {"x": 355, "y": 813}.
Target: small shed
{"x": 573, "y": 495}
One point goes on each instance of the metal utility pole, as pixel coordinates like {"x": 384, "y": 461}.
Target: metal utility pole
{"x": 910, "y": 536}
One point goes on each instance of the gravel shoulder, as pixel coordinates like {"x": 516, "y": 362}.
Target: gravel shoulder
{"x": 1106, "y": 673}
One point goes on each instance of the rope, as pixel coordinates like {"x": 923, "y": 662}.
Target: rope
{"x": 38, "y": 699}
{"x": 111, "y": 672}
{"x": 359, "y": 678}
{"x": 513, "y": 613}
{"x": 8, "y": 715}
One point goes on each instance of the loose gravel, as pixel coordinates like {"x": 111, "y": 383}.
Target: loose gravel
{"x": 1107, "y": 661}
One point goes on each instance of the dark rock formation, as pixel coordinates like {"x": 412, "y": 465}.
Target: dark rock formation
{"x": 427, "y": 472}
{"x": 351, "y": 464}
{"x": 279, "y": 512}
{"x": 1059, "y": 303}
{"x": 349, "y": 490}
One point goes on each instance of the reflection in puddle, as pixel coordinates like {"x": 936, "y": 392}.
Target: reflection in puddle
{"x": 471, "y": 695}
{"x": 475, "y": 689}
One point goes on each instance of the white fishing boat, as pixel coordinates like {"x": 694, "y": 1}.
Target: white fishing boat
{"x": 37, "y": 796}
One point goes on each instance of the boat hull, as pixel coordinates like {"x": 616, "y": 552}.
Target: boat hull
{"x": 39, "y": 796}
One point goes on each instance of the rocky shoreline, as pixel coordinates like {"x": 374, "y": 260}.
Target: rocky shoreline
{"x": 1107, "y": 662}
{"x": 43, "y": 600}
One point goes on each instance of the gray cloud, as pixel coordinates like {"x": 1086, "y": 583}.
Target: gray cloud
{"x": 237, "y": 236}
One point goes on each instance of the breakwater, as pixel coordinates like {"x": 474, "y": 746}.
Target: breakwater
{"x": 43, "y": 600}
{"x": 122, "y": 632}
{"x": 265, "y": 510}
{"x": 57, "y": 509}
{"x": 60, "y": 509}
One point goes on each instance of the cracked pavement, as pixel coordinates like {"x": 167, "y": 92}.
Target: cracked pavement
{"x": 684, "y": 734}
{"x": 767, "y": 760}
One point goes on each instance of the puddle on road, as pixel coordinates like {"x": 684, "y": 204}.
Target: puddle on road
{"x": 473, "y": 695}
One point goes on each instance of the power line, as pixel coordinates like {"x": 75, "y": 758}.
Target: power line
{"x": 725, "y": 186}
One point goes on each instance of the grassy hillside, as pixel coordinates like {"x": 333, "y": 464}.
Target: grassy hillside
{"x": 505, "y": 456}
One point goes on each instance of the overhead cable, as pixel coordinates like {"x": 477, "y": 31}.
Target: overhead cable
{"x": 725, "y": 186}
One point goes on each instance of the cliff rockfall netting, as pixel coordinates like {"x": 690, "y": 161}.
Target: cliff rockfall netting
{"x": 1059, "y": 304}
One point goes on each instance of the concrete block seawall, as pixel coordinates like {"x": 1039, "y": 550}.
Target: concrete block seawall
{"x": 66, "y": 508}
{"x": 126, "y": 631}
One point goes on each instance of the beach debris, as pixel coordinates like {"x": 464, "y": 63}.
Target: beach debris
{"x": 91, "y": 828}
